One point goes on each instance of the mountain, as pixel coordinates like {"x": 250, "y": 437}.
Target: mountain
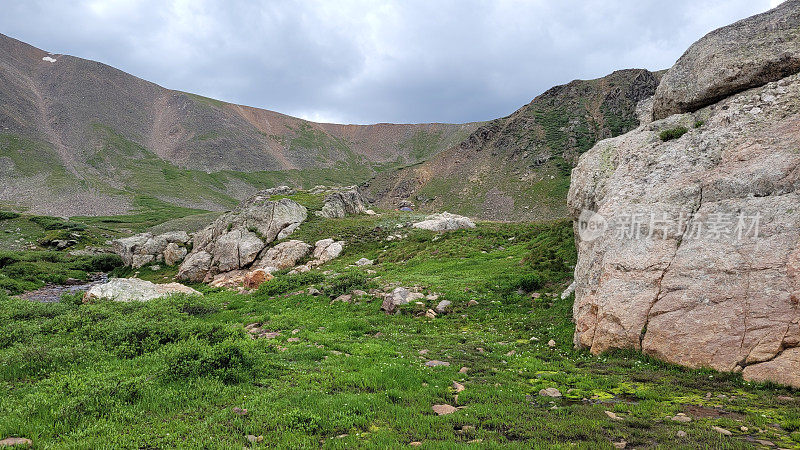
{"x": 518, "y": 167}
{"x": 80, "y": 137}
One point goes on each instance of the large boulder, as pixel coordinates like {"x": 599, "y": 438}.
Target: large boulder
{"x": 343, "y": 203}
{"x": 746, "y": 54}
{"x": 445, "y": 222}
{"x": 134, "y": 289}
{"x": 284, "y": 255}
{"x": 689, "y": 249}
{"x": 145, "y": 248}
{"x": 236, "y": 238}
{"x": 326, "y": 250}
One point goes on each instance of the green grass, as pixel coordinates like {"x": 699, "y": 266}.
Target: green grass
{"x": 26, "y": 271}
{"x": 673, "y": 133}
{"x": 168, "y": 373}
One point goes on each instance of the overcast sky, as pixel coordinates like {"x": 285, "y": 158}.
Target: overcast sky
{"x": 352, "y": 61}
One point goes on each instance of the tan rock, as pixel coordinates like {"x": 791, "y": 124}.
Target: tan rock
{"x": 708, "y": 289}
{"x": 784, "y": 369}
{"x": 444, "y": 410}
{"x": 255, "y": 278}
{"x": 12, "y": 441}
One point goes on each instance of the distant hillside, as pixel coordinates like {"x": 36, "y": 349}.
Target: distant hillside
{"x": 80, "y": 137}
{"x": 518, "y": 167}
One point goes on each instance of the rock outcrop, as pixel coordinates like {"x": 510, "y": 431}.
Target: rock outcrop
{"x": 444, "y": 222}
{"x": 284, "y": 255}
{"x": 236, "y": 238}
{"x": 747, "y": 54}
{"x": 134, "y": 289}
{"x": 689, "y": 249}
{"x": 136, "y": 251}
{"x": 343, "y": 203}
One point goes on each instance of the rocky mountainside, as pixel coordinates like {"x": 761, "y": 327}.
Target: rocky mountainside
{"x": 80, "y": 137}
{"x": 688, "y": 227}
{"x": 518, "y": 167}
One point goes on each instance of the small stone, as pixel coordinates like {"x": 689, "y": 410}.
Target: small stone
{"x": 613, "y": 416}
{"x": 463, "y": 370}
{"x": 252, "y": 438}
{"x": 458, "y": 386}
{"x": 12, "y": 441}
{"x": 415, "y": 444}
{"x": 155, "y": 268}
{"x": 431, "y": 314}
{"x": 472, "y": 303}
{"x": 681, "y": 434}
{"x": 620, "y": 444}
{"x": 295, "y": 331}
{"x": 313, "y": 291}
{"x": 784, "y": 398}
{"x": 239, "y": 411}
{"x": 436, "y": 363}
{"x": 744, "y": 429}
{"x": 765, "y": 442}
{"x": 424, "y": 351}
{"x": 294, "y": 339}
{"x": 551, "y": 343}
{"x": 550, "y": 392}
{"x": 443, "y": 306}
{"x": 682, "y": 418}
{"x": 721, "y": 430}
{"x": 511, "y": 353}
{"x": 343, "y": 298}
{"x": 444, "y": 410}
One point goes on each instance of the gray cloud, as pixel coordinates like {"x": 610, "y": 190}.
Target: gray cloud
{"x": 364, "y": 61}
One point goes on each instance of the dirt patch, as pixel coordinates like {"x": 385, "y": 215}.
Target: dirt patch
{"x": 710, "y": 413}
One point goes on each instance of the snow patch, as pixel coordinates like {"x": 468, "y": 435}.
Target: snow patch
{"x": 49, "y": 59}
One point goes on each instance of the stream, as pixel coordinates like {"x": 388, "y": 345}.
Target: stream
{"x": 52, "y": 293}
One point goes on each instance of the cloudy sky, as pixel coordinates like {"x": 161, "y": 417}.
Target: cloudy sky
{"x": 367, "y": 61}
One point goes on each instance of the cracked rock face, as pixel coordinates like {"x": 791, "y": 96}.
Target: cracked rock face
{"x": 236, "y": 238}
{"x": 746, "y": 54}
{"x": 695, "y": 255}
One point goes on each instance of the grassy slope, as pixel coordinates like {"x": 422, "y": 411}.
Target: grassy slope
{"x": 167, "y": 373}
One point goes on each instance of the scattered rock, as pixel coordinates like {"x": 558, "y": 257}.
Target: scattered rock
{"x": 550, "y": 392}
{"x": 284, "y": 255}
{"x": 415, "y": 444}
{"x": 613, "y": 416}
{"x": 364, "y": 262}
{"x": 431, "y": 314}
{"x": 681, "y": 434}
{"x": 551, "y": 343}
{"x": 444, "y": 410}
{"x": 12, "y": 441}
{"x": 343, "y": 203}
{"x": 314, "y": 291}
{"x": 399, "y": 296}
{"x": 443, "y": 306}
{"x": 472, "y": 303}
{"x": 255, "y": 278}
{"x": 458, "y": 386}
{"x": 293, "y": 339}
{"x": 437, "y": 363}
{"x": 681, "y": 417}
{"x": 463, "y": 370}
{"x": 444, "y": 222}
{"x": 254, "y": 439}
{"x": 134, "y": 289}
{"x": 326, "y": 250}
{"x": 620, "y": 444}
{"x": 239, "y": 411}
{"x": 721, "y": 430}
{"x": 511, "y": 353}
{"x": 343, "y": 298}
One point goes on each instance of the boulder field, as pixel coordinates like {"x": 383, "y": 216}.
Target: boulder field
{"x": 688, "y": 227}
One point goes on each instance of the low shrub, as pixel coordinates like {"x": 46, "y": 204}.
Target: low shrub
{"x": 6, "y": 215}
{"x": 290, "y": 282}
{"x": 229, "y": 361}
{"x": 673, "y": 133}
